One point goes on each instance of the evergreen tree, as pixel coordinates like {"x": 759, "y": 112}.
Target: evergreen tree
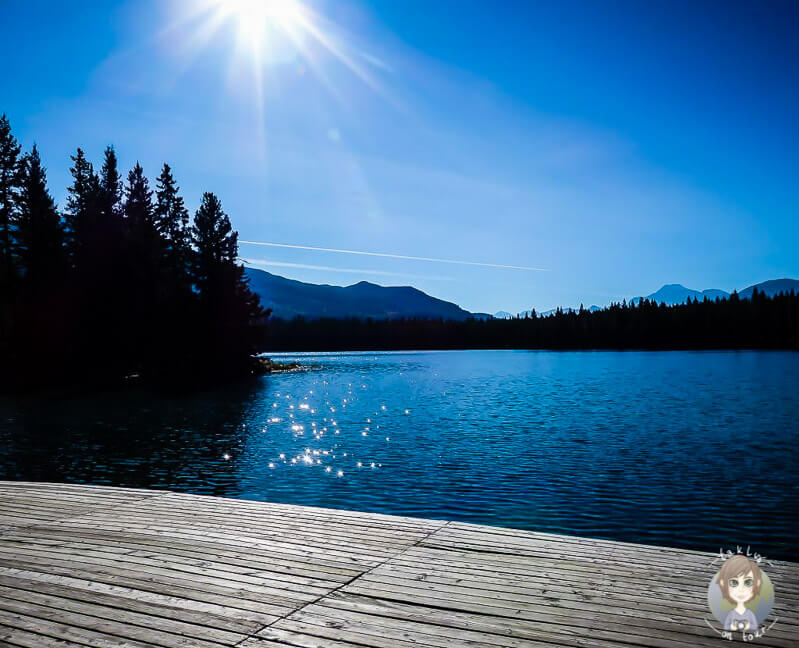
{"x": 139, "y": 202}
{"x": 228, "y": 307}
{"x": 40, "y": 257}
{"x": 172, "y": 221}
{"x": 81, "y": 213}
{"x": 141, "y": 276}
{"x": 110, "y": 186}
{"x": 216, "y": 245}
{"x": 38, "y": 232}
{"x": 9, "y": 192}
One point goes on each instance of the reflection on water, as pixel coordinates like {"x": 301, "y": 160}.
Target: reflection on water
{"x": 683, "y": 449}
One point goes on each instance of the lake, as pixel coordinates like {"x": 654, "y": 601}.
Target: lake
{"x": 689, "y": 449}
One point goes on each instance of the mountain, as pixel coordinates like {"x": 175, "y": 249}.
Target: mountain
{"x": 715, "y": 293}
{"x": 678, "y": 294}
{"x": 289, "y": 298}
{"x": 773, "y": 287}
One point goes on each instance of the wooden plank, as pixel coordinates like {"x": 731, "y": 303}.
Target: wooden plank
{"x": 95, "y": 637}
{"x": 376, "y": 550}
{"x": 81, "y": 488}
{"x": 161, "y": 630}
{"x": 117, "y": 599}
{"x": 226, "y": 597}
{"x": 472, "y": 538}
{"x": 381, "y": 629}
{"x": 24, "y": 639}
{"x": 106, "y": 566}
{"x": 576, "y": 633}
{"x": 260, "y": 553}
{"x": 241, "y": 618}
{"x": 529, "y": 565}
{"x": 162, "y": 556}
{"x": 220, "y": 537}
{"x": 448, "y": 620}
{"x": 263, "y": 586}
{"x": 254, "y": 562}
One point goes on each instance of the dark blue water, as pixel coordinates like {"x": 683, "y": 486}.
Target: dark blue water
{"x": 677, "y": 448}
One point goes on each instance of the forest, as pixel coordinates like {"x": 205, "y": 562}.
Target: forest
{"x": 761, "y": 322}
{"x": 121, "y": 285}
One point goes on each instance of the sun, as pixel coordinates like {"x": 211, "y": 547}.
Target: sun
{"x": 271, "y": 38}
{"x": 257, "y": 19}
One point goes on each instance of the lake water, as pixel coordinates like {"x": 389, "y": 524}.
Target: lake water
{"x": 690, "y": 449}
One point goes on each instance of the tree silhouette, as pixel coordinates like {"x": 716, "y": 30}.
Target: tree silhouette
{"x": 172, "y": 222}
{"x": 216, "y": 246}
{"x": 114, "y": 287}
{"x": 139, "y": 202}
{"x": 228, "y": 307}
{"x": 110, "y": 186}
{"x": 38, "y": 231}
{"x": 9, "y": 192}
{"x": 81, "y": 213}
{"x": 42, "y": 264}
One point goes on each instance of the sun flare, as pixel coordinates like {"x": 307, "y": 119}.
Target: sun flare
{"x": 257, "y": 18}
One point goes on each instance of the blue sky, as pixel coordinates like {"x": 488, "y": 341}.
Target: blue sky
{"x": 616, "y": 145}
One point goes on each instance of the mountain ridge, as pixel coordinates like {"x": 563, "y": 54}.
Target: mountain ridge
{"x": 289, "y": 298}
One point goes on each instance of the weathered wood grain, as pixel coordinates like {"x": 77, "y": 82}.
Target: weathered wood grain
{"x": 111, "y": 567}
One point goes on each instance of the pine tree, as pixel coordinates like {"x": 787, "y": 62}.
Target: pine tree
{"x": 141, "y": 277}
{"x": 139, "y": 202}
{"x": 228, "y": 307}
{"x": 38, "y": 232}
{"x": 9, "y": 192}
{"x": 82, "y": 205}
{"x": 110, "y": 186}
{"x": 216, "y": 244}
{"x": 171, "y": 221}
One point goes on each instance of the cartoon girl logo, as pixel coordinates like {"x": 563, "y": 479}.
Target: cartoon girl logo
{"x": 741, "y": 595}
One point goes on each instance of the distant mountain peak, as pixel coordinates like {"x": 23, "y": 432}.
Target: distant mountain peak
{"x": 289, "y": 298}
{"x": 676, "y": 293}
{"x": 771, "y": 287}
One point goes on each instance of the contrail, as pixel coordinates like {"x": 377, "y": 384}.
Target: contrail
{"x": 395, "y": 256}
{"x": 306, "y": 266}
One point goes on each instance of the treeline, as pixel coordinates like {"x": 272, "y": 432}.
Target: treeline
{"x": 119, "y": 284}
{"x": 757, "y": 323}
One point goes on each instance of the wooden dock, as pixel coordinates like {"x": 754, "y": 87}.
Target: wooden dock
{"x": 100, "y": 566}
